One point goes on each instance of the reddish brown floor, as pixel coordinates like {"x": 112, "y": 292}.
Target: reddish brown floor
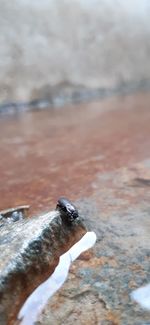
{"x": 47, "y": 154}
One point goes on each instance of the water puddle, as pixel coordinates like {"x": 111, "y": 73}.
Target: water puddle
{"x": 36, "y": 302}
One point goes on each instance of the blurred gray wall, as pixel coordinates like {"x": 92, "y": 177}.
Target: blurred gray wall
{"x": 50, "y": 43}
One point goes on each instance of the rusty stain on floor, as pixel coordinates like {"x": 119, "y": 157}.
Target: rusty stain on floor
{"x": 98, "y": 155}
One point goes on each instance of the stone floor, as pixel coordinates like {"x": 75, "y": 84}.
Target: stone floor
{"x": 97, "y": 155}
{"x": 100, "y": 281}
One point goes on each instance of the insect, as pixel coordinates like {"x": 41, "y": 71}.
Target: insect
{"x": 67, "y": 210}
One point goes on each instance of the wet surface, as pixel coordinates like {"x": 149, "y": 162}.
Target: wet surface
{"x": 97, "y": 155}
{"x": 52, "y": 153}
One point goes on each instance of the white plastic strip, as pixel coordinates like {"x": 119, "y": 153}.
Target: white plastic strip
{"x": 142, "y": 296}
{"x": 34, "y": 305}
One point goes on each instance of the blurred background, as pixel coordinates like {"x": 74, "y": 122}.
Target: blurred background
{"x": 55, "y": 52}
{"x": 88, "y": 58}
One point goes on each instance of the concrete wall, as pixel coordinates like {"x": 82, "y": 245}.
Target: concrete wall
{"x": 89, "y": 43}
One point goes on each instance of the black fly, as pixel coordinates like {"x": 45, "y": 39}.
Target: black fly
{"x": 67, "y": 210}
